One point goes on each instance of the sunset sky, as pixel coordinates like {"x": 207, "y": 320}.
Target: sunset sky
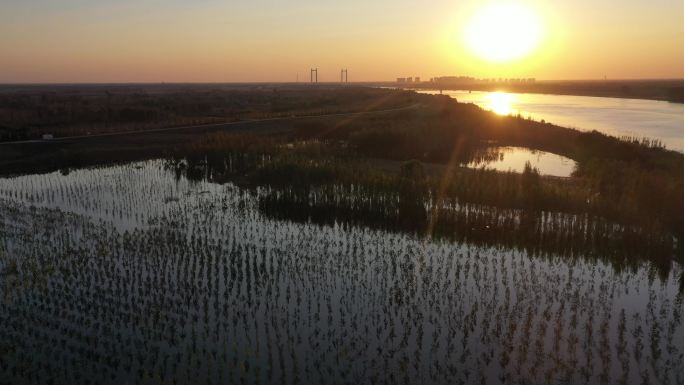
{"x": 269, "y": 40}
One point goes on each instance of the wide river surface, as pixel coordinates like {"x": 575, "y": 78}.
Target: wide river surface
{"x": 614, "y": 116}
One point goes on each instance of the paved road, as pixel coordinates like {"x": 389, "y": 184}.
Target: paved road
{"x": 215, "y": 125}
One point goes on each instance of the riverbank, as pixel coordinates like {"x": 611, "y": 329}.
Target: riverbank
{"x": 664, "y": 90}
{"x": 625, "y": 118}
{"x": 637, "y": 184}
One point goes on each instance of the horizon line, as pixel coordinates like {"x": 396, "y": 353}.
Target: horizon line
{"x": 360, "y": 82}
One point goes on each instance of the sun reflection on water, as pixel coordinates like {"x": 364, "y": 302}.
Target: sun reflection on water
{"x": 500, "y": 102}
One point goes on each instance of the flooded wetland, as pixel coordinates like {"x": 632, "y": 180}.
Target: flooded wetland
{"x": 299, "y": 193}
{"x": 136, "y": 273}
{"x": 331, "y": 236}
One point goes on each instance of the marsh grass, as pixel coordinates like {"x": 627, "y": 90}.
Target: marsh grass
{"x": 206, "y": 287}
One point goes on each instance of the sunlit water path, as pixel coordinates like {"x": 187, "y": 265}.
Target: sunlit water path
{"x": 515, "y": 158}
{"x": 615, "y": 116}
{"x": 158, "y": 278}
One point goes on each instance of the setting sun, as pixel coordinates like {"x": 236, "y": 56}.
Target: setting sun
{"x": 392, "y": 192}
{"x": 503, "y": 32}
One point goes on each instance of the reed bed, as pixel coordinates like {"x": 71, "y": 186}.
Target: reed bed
{"x": 138, "y": 274}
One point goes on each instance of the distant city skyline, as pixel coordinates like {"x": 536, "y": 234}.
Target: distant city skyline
{"x": 271, "y": 41}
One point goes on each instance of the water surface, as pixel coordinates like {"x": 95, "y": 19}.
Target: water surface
{"x": 135, "y": 274}
{"x": 614, "y": 116}
{"x": 515, "y": 158}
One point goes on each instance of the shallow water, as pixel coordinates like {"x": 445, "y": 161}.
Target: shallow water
{"x": 155, "y": 278}
{"x": 614, "y": 116}
{"x": 515, "y": 158}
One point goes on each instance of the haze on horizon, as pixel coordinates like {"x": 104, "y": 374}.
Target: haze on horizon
{"x": 269, "y": 40}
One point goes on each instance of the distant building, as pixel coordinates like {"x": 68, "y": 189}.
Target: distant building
{"x": 409, "y": 80}
{"x": 453, "y": 80}
{"x": 467, "y": 80}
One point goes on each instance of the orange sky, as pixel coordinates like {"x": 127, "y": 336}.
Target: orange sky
{"x": 269, "y": 40}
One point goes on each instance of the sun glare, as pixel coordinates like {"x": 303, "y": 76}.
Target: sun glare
{"x": 500, "y": 103}
{"x": 503, "y": 32}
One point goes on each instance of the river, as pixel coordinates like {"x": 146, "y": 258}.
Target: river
{"x": 639, "y": 118}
